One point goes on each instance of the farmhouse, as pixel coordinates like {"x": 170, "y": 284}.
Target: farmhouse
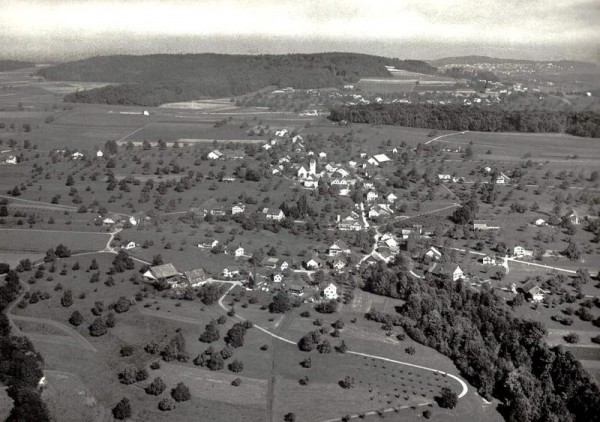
{"x": 269, "y": 262}
{"x": 540, "y": 222}
{"x": 238, "y": 252}
{"x": 139, "y": 218}
{"x": 433, "y": 253}
{"x": 208, "y": 245}
{"x": 502, "y": 179}
{"x": 520, "y": 251}
{"x": 196, "y": 277}
{"x": 128, "y": 246}
{"x": 447, "y": 270}
{"x": 330, "y": 292}
{"x": 296, "y": 288}
{"x": 485, "y": 225}
{"x": 573, "y": 217}
{"x": 488, "y": 260}
{"x": 391, "y": 198}
{"x": 339, "y": 246}
{"x": 215, "y": 155}
{"x": 338, "y": 264}
{"x": 77, "y": 155}
{"x": 238, "y": 208}
{"x": 381, "y": 158}
{"x": 313, "y": 263}
{"x": 311, "y": 181}
{"x": 273, "y": 214}
{"x": 350, "y": 223}
{"x": 11, "y": 160}
{"x": 162, "y": 272}
{"x": 111, "y": 219}
{"x": 444, "y": 177}
{"x": 99, "y": 154}
{"x": 534, "y": 292}
{"x": 372, "y": 195}
{"x": 380, "y": 210}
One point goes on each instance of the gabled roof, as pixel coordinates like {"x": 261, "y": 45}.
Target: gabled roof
{"x": 164, "y": 271}
{"x": 196, "y": 275}
{"x": 340, "y": 244}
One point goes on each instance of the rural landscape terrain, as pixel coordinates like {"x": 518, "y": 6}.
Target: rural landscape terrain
{"x": 306, "y": 237}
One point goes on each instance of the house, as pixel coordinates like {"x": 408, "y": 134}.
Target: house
{"x": 390, "y": 243}
{"x": 238, "y": 208}
{"x": 296, "y": 288}
{"x": 229, "y": 273}
{"x": 573, "y": 217}
{"x": 540, "y": 222}
{"x": 322, "y": 155}
{"x": 444, "y": 177}
{"x": 520, "y": 251}
{"x": 447, "y": 270}
{"x": 372, "y": 195}
{"x": 277, "y": 278}
{"x": 433, "y": 253}
{"x": 77, "y": 155}
{"x": 215, "y": 155}
{"x": 111, "y": 219}
{"x": 488, "y": 260}
{"x": 196, "y": 277}
{"x": 313, "y": 263}
{"x": 284, "y": 266}
{"x": 350, "y": 223}
{"x": 311, "y": 181}
{"x": 391, "y": 198}
{"x": 139, "y": 218}
{"x": 380, "y": 210}
{"x": 281, "y": 133}
{"x": 339, "y": 246}
{"x": 266, "y": 147}
{"x": 381, "y": 158}
{"x": 502, "y": 179}
{"x": 338, "y": 264}
{"x": 11, "y": 160}
{"x": 342, "y": 172}
{"x": 273, "y": 214}
{"x": 238, "y": 252}
{"x": 297, "y": 138}
{"x": 269, "y": 262}
{"x": 487, "y": 169}
{"x": 373, "y": 161}
{"x": 330, "y": 292}
{"x": 128, "y": 246}
{"x": 218, "y": 211}
{"x": 534, "y": 292}
{"x": 302, "y": 173}
{"x": 485, "y": 225}
{"x": 99, "y": 154}
{"x": 162, "y": 272}
{"x": 208, "y": 245}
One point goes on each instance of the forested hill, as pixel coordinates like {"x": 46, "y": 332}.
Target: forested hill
{"x": 459, "y": 117}
{"x": 156, "y": 79}
{"x": 8, "y": 65}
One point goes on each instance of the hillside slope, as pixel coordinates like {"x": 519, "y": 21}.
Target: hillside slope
{"x": 156, "y": 79}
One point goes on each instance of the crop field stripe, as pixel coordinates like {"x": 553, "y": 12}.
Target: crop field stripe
{"x": 134, "y": 132}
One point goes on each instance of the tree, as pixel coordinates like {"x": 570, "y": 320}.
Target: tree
{"x": 572, "y": 338}
{"x": 289, "y": 417}
{"x": 447, "y": 398}
{"x": 76, "y": 318}
{"x": 98, "y": 328}
{"x": 122, "y": 305}
{"x": 156, "y": 387}
{"x": 309, "y": 341}
{"x": 122, "y": 410}
{"x": 572, "y": 251}
{"x": 181, "y": 393}
{"x": 347, "y": 383}
{"x": 67, "y": 298}
{"x": 235, "y": 335}
{"x": 211, "y": 333}
{"x": 62, "y": 251}
{"x": 325, "y": 347}
{"x": 281, "y": 303}
{"x": 3, "y": 211}
{"x": 209, "y": 294}
{"x": 236, "y": 366}
{"x": 166, "y": 404}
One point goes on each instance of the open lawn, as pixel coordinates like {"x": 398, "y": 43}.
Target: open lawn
{"x": 27, "y": 240}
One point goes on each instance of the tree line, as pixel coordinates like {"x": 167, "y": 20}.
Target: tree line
{"x": 501, "y": 355}
{"x": 458, "y": 117}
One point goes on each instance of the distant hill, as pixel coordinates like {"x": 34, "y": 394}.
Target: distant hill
{"x": 472, "y": 60}
{"x": 8, "y": 65}
{"x": 156, "y": 79}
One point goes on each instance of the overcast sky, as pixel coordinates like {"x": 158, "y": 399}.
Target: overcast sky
{"x": 399, "y": 28}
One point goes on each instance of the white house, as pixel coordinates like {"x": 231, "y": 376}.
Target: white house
{"x": 302, "y": 172}
{"x": 534, "y": 292}
{"x": 444, "y": 177}
{"x": 297, "y": 138}
{"x": 381, "y": 158}
{"x": 488, "y": 260}
{"x": 322, "y": 155}
{"x": 284, "y": 266}
{"x": 266, "y": 147}
{"x": 540, "y": 222}
{"x": 99, "y": 154}
{"x": 273, "y": 214}
{"x": 11, "y": 160}
{"x": 573, "y": 217}
{"x": 391, "y": 198}
{"x": 214, "y": 155}
{"x": 433, "y": 253}
{"x": 502, "y": 179}
{"x": 520, "y": 251}
{"x": 239, "y": 252}
{"x": 330, "y": 292}
{"x": 108, "y": 221}
{"x": 281, "y": 133}
{"x": 277, "y": 278}
{"x": 339, "y": 246}
{"x": 228, "y": 273}
{"x": 129, "y": 246}
{"x": 238, "y": 208}
{"x": 457, "y": 274}
{"x": 313, "y": 263}
{"x": 77, "y": 155}
{"x": 380, "y": 210}
{"x": 311, "y": 181}
{"x": 372, "y": 195}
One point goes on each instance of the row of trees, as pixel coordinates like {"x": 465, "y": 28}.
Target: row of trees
{"x": 458, "y": 117}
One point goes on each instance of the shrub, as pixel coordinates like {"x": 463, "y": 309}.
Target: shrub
{"x": 181, "y": 393}
{"x": 447, "y": 398}
{"x": 347, "y": 383}
{"x": 141, "y": 375}
{"x": 127, "y": 350}
{"x": 122, "y": 410}
{"x": 572, "y": 338}
{"x": 122, "y": 305}
{"x": 156, "y": 387}
{"x": 305, "y": 314}
{"x": 410, "y": 350}
{"x": 289, "y": 417}
{"x": 327, "y": 307}
{"x": 155, "y": 365}
{"x": 67, "y": 298}
{"x": 76, "y": 318}
{"x": 309, "y": 341}
{"x": 427, "y": 414}
{"x": 166, "y": 404}
{"x": 98, "y": 328}
{"x": 128, "y": 376}
{"x": 236, "y": 366}
{"x": 236, "y": 382}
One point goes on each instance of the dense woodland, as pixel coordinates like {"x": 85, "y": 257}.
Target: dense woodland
{"x": 8, "y": 65}
{"x": 499, "y": 354}
{"x": 155, "y": 79}
{"x": 20, "y": 365}
{"x": 459, "y": 117}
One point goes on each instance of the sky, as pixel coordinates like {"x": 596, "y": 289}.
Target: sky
{"x": 420, "y": 29}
